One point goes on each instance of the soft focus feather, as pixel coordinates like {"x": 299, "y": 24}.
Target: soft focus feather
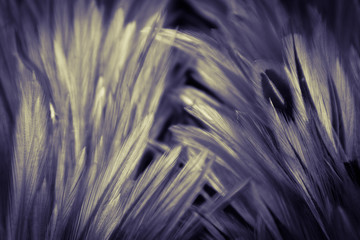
{"x": 147, "y": 120}
{"x": 293, "y": 138}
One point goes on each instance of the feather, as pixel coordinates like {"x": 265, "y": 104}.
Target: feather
{"x": 162, "y": 120}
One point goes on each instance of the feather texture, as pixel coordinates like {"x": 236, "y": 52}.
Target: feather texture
{"x": 121, "y": 126}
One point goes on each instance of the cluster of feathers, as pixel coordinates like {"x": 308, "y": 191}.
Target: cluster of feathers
{"x": 169, "y": 119}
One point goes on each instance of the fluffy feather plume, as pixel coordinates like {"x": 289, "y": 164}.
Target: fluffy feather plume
{"x": 240, "y": 123}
